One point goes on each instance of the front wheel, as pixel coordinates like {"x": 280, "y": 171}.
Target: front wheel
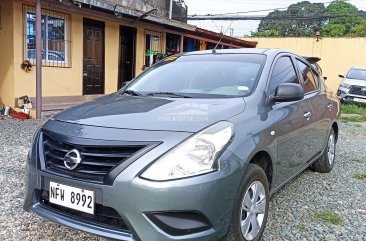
{"x": 325, "y": 163}
{"x": 251, "y": 208}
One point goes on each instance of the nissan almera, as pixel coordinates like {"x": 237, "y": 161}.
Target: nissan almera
{"x": 192, "y": 149}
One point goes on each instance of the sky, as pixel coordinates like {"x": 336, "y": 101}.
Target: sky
{"x": 241, "y": 28}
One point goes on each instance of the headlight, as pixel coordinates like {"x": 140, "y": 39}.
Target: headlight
{"x": 196, "y": 155}
{"x": 345, "y": 85}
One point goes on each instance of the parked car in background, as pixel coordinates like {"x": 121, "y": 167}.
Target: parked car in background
{"x": 192, "y": 149}
{"x": 353, "y": 86}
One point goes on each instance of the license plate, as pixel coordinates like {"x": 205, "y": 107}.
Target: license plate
{"x": 360, "y": 100}
{"x": 72, "y": 197}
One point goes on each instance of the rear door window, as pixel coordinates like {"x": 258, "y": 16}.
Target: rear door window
{"x": 310, "y": 82}
{"x": 283, "y": 72}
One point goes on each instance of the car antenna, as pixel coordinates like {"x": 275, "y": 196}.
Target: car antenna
{"x": 222, "y": 36}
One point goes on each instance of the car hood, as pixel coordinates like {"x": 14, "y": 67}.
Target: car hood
{"x": 355, "y": 82}
{"x": 152, "y": 113}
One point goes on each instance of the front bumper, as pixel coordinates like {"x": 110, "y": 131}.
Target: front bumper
{"x": 212, "y": 195}
{"x": 346, "y": 97}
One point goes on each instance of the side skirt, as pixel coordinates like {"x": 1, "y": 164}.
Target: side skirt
{"x": 309, "y": 163}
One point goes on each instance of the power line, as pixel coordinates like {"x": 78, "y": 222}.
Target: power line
{"x": 252, "y": 11}
{"x": 288, "y": 17}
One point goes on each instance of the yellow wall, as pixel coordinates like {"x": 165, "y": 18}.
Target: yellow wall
{"x": 140, "y": 50}
{"x": 111, "y": 56}
{"x": 6, "y": 54}
{"x": 15, "y": 82}
{"x": 338, "y": 54}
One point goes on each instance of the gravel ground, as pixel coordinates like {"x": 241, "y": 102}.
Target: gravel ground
{"x": 294, "y": 211}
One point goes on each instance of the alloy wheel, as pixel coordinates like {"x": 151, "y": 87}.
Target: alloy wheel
{"x": 253, "y": 210}
{"x": 331, "y": 149}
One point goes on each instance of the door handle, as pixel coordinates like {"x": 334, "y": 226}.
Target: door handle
{"x": 307, "y": 115}
{"x": 330, "y": 106}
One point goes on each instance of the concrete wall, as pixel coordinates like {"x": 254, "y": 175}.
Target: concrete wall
{"x": 6, "y": 53}
{"x": 338, "y": 54}
{"x": 15, "y": 82}
{"x": 162, "y": 6}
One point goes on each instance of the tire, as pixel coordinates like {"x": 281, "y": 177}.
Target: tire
{"x": 253, "y": 177}
{"x": 325, "y": 163}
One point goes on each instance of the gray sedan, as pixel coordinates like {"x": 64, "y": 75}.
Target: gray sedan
{"x": 192, "y": 149}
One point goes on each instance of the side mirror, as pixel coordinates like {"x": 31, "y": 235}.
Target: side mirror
{"x": 341, "y": 76}
{"x": 288, "y": 92}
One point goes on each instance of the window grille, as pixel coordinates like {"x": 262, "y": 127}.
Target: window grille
{"x": 56, "y": 44}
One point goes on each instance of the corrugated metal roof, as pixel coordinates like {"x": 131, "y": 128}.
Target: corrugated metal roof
{"x": 120, "y": 9}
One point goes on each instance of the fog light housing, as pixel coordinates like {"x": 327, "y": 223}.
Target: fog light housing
{"x": 180, "y": 223}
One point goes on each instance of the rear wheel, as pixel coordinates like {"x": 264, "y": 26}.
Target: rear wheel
{"x": 251, "y": 208}
{"x": 325, "y": 163}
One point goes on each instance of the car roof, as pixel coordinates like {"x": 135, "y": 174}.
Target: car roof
{"x": 239, "y": 51}
{"x": 355, "y": 67}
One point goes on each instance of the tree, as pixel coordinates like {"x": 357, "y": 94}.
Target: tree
{"x": 293, "y": 28}
{"x": 359, "y": 30}
{"x": 267, "y": 33}
{"x": 343, "y": 26}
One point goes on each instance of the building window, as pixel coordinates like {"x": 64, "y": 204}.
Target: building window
{"x": 153, "y": 52}
{"x": 55, "y": 38}
{"x": 172, "y": 44}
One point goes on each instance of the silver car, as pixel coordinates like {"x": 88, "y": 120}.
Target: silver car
{"x": 353, "y": 87}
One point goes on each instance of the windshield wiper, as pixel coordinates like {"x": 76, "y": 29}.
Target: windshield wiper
{"x": 171, "y": 94}
{"x": 132, "y": 92}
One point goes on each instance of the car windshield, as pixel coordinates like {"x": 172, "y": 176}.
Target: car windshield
{"x": 201, "y": 76}
{"x": 359, "y": 74}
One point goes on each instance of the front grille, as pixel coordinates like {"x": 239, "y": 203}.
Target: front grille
{"x": 97, "y": 161}
{"x": 103, "y": 216}
{"x": 357, "y": 90}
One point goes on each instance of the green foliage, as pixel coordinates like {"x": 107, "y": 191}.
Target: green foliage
{"x": 359, "y": 30}
{"x": 360, "y": 176}
{"x": 293, "y": 28}
{"x": 337, "y": 27}
{"x": 353, "y": 109}
{"x": 267, "y": 33}
{"x": 330, "y": 217}
{"x": 357, "y": 160}
{"x": 334, "y": 30}
{"x": 356, "y": 118}
{"x": 342, "y": 26}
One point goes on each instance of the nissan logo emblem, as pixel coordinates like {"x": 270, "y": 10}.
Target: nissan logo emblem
{"x": 72, "y": 159}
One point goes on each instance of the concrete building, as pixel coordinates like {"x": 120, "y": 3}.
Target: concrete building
{"x": 91, "y": 47}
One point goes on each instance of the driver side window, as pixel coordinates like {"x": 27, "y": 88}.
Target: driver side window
{"x": 283, "y": 72}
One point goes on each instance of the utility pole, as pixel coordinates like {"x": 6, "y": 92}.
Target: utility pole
{"x": 39, "y": 59}
{"x": 171, "y": 9}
